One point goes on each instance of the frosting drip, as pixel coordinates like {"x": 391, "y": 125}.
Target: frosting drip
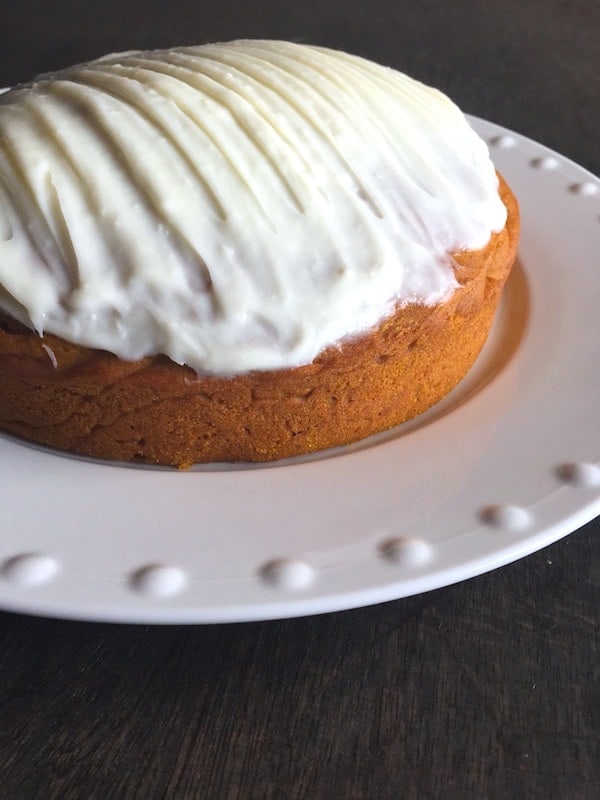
{"x": 234, "y": 206}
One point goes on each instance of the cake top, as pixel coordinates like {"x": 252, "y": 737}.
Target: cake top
{"x": 233, "y": 206}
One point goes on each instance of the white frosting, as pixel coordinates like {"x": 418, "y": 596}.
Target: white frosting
{"x": 234, "y": 206}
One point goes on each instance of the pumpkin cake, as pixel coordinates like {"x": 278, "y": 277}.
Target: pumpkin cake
{"x": 239, "y": 252}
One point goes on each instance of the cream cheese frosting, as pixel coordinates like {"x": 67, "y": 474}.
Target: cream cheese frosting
{"x": 233, "y": 206}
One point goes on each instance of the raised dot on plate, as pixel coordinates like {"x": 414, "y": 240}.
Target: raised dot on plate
{"x": 29, "y": 569}
{"x": 506, "y": 517}
{"x": 158, "y": 580}
{"x": 581, "y": 474}
{"x": 586, "y": 189}
{"x": 548, "y": 162}
{"x": 408, "y": 551}
{"x": 505, "y": 141}
{"x": 288, "y": 574}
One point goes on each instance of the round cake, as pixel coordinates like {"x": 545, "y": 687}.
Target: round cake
{"x": 239, "y": 252}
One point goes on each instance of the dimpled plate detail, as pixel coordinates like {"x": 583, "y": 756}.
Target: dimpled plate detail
{"x": 158, "y": 580}
{"x": 288, "y": 575}
{"x": 507, "y": 517}
{"x": 505, "y": 141}
{"x": 586, "y": 189}
{"x": 586, "y": 476}
{"x": 29, "y": 569}
{"x": 406, "y": 551}
{"x": 547, "y": 163}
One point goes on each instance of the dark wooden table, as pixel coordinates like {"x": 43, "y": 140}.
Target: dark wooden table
{"x": 486, "y": 689}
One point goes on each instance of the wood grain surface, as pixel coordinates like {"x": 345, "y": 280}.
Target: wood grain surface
{"x": 486, "y": 690}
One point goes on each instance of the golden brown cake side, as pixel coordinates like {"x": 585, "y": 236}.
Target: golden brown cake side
{"x": 91, "y": 402}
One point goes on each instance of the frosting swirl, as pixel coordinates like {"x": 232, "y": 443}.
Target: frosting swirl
{"x": 234, "y": 206}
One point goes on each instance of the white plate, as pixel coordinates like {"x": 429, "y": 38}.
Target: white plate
{"x": 507, "y": 464}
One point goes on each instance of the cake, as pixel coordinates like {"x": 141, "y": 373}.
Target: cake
{"x": 239, "y": 252}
